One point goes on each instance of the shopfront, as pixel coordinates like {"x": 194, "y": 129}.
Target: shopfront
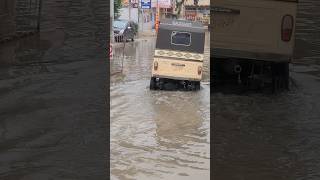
{"x": 198, "y": 13}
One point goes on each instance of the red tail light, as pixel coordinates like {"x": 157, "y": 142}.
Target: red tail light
{"x": 287, "y": 28}
{"x": 155, "y": 65}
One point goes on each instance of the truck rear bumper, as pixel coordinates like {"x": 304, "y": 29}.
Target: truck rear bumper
{"x": 238, "y": 54}
{"x": 175, "y": 78}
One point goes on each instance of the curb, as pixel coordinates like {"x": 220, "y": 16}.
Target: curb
{"x": 147, "y": 34}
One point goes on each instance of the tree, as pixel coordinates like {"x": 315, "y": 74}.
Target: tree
{"x": 179, "y": 4}
{"x": 117, "y": 6}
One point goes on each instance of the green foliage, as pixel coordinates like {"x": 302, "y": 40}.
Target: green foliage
{"x": 179, "y": 4}
{"x": 117, "y": 6}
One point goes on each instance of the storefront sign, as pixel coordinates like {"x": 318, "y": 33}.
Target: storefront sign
{"x": 190, "y": 15}
{"x": 146, "y": 4}
{"x": 164, "y": 3}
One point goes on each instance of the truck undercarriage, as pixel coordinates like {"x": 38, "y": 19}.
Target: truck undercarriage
{"x": 251, "y": 74}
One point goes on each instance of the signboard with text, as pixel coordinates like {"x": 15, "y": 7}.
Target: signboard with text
{"x": 164, "y": 3}
{"x": 145, "y": 4}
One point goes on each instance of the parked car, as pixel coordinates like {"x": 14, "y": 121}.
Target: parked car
{"x": 135, "y": 5}
{"x": 124, "y": 30}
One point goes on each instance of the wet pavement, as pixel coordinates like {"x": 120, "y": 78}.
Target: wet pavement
{"x": 52, "y": 110}
{"x": 263, "y": 136}
{"x": 52, "y": 96}
{"x": 156, "y": 134}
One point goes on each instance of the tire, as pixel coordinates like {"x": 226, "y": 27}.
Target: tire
{"x": 197, "y": 86}
{"x": 286, "y": 76}
{"x": 132, "y": 39}
{"x": 152, "y": 83}
{"x": 280, "y": 76}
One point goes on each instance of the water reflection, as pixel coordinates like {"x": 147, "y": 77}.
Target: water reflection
{"x": 52, "y": 91}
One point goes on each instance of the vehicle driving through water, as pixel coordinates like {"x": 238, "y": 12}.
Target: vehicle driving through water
{"x": 253, "y": 40}
{"x": 179, "y": 55}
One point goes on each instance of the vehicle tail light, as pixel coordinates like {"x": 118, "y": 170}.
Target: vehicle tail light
{"x": 199, "y": 70}
{"x": 287, "y": 28}
{"x": 155, "y": 65}
{"x": 110, "y": 52}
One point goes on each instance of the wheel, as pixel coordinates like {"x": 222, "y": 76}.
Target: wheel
{"x": 161, "y": 85}
{"x": 132, "y": 39}
{"x": 197, "y": 86}
{"x": 286, "y": 75}
{"x": 152, "y": 83}
{"x": 280, "y": 76}
{"x": 274, "y": 77}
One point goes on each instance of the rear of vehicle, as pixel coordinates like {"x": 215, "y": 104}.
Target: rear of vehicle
{"x": 253, "y": 31}
{"x": 178, "y": 55}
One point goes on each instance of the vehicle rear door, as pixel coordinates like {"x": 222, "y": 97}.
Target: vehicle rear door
{"x": 252, "y": 25}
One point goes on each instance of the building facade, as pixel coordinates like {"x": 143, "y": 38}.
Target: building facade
{"x": 199, "y": 12}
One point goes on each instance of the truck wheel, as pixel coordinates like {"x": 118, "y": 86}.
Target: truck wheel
{"x": 275, "y": 75}
{"x": 197, "y": 86}
{"x": 286, "y": 75}
{"x": 280, "y": 76}
{"x": 152, "y": 83}
{"x": 161, "y": 85}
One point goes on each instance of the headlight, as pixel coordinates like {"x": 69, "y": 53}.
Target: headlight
{"x": 121, "y": 32}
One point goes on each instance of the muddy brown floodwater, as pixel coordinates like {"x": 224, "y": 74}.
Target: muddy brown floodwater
{"x": 156, "y": 134}
{"x": 52, "y": 96}
{"x": 261, "y": 136}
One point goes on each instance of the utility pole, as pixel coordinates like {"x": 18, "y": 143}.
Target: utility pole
{"x": 129, "y": 10}
{"x": 157, "y": 16}
{"x": 139, "y": 14}
{"x": 139, "y": 4}
{"x": 111, "y": 20}
{"x": 196, "y": 4}
{"x": 142, "y": 14}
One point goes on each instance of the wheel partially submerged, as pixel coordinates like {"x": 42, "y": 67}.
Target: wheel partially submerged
{"x": 153, "y": 83}
{"x": 170, "y": 85}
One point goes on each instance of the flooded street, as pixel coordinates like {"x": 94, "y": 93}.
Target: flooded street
{"x": 52, "y": 96}
{"x": 262, "y": 136}
{"x": 156, "y": 134}
{"x": 53, "y": 112}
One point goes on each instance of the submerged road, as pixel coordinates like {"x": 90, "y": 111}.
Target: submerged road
{"x": 156, "y": 134}
{"x": 261, "y": 136}
{"x": 53, "y": 96}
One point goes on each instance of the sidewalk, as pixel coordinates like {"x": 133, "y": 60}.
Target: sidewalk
{"x": 145, "y": 29}
{"x": 149, "y": 33}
